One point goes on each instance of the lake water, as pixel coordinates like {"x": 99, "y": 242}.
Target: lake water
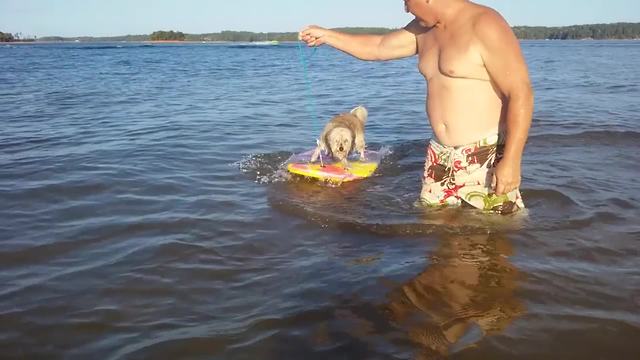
{"x": 144, "y": 213}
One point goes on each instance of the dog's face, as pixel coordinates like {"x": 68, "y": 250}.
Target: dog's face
{"x": 340, "y": 141}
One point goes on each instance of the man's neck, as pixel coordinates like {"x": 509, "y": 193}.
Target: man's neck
{"x": 449, "y": 11}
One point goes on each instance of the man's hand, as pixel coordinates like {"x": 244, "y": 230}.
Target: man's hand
{"x": 506, "y": 178}
{"x": 314, "y": 35}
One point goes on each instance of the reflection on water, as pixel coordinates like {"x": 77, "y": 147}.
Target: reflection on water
{"x": 466, "y": 293}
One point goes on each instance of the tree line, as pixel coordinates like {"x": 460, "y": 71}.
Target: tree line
{"x": 577, "y": 32}
{"x": 167, "y": 36}
{"x": 594, "y": 31}
{"x": 247, "y": 36}
{"x": 6, "y": 37}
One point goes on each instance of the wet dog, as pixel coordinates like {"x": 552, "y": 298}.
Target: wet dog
{"x": 342, "y": 135}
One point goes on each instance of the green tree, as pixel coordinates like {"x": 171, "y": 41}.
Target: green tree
{"x": 6, "y": 37}
{"x": 167, "y": 36}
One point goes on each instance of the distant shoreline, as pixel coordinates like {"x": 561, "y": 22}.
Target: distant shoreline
{"x": 175, "y": 42}
{"x": 612, "y": 31}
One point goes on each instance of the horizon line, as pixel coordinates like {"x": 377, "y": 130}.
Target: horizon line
{"x": 290, "y": 32}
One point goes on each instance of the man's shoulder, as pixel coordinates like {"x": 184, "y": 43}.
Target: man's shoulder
{"x": 487, "y": 23}
{"x": 484, "y": 16}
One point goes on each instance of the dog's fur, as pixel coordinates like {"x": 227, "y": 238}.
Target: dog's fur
{"x": 342, "y": 135}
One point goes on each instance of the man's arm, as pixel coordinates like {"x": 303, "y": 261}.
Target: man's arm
{"x": 394, "y": 45}
{"x": 507, "y": 68}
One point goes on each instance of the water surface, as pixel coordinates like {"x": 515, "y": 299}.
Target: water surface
{"x": 144, "y": 213}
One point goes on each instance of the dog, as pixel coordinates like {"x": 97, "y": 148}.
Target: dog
{"x": 342, "y": 135}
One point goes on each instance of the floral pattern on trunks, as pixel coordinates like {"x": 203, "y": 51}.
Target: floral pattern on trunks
{"x": 464, "y": 173}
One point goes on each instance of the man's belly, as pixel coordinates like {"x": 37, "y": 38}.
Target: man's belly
{"x": 462, "y": 111}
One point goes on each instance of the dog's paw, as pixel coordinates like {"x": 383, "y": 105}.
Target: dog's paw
{"x": 315, "y": 156}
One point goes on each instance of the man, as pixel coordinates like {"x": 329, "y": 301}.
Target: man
{"x": 480, "y": 100}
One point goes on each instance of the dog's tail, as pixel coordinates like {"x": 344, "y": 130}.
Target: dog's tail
{"x": 361, "y": 113}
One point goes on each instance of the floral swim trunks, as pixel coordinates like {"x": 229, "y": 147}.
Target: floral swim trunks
{"x": 454, "y": 175}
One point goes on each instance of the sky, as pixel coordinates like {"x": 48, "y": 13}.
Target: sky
{"x": 120, "y": 17}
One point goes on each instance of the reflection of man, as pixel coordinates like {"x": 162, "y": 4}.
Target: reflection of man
{"x": 470, "y": 284}
{"x": 479, "y": 102}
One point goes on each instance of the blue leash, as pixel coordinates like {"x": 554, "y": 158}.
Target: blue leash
{"x": 311, "y": 100}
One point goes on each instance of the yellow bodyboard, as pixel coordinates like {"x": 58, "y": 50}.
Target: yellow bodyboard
{"x": 334, "y": 171}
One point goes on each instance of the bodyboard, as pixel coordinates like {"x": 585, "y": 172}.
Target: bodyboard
{"x": 332, "y": 171}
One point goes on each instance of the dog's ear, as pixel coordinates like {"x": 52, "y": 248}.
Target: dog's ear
{"x": 361, "y": 113}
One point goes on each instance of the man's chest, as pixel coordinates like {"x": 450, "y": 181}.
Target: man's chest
{"x": 453, "y": 56}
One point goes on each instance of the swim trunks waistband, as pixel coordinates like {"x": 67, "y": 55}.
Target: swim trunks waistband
{"x": 493, "y": 139}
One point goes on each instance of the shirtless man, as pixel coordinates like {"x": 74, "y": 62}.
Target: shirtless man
{"x": 480, "y": 100}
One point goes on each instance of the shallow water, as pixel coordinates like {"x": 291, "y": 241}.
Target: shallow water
{"x": 145, "y": 214}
